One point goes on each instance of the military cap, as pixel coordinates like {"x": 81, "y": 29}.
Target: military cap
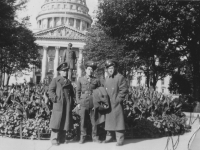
{"x": 110, "y": 63}
{"x": 63, "y": 66}
{"x": 91, "y": 64}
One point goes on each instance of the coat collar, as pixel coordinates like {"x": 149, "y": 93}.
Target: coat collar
{"x": 86, "y": 78}
{"x": 112, "y": 76}
{"x": 60, "y": 79}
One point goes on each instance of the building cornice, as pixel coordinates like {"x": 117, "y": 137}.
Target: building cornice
{"x": 64, "y": 12}
{"x": 57, "y": 27}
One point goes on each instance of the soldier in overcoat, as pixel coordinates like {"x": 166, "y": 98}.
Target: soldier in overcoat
{"x": 117, "y": 89}
{"x": 61, "y": 93}
{"x": 84, "y": 91}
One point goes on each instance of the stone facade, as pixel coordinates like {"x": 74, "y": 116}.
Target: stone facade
{"x": 60, "y": 22}
{"x": 73, "y": 13}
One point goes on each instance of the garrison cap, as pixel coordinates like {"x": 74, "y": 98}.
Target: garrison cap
{"x": 110, "y": 63}
{"x": 91, "y": 64}
{"x": 63, "y": 66}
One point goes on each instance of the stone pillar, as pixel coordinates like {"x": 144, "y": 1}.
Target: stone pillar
{"x": 64, "y": 20}
{"x": 81, "y": 25}
{"x": 60, "y": 21}
{"x": 53, "y": 22}
{"x": 45, "y": 23}
{"x": 74, "y": 23}
{"x": 67, "y": 21}
{"x": 56, "y": 61}
{"x": 44, "y": 63}
{"x": 79, "y": 63}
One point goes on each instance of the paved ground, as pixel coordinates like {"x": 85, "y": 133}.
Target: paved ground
{"x": 133, "y": 144}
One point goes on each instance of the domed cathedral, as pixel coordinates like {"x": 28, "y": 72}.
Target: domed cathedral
{"x": 59, "y": 23}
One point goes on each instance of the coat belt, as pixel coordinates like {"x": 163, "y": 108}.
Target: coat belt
{"x": 87, "y": 92}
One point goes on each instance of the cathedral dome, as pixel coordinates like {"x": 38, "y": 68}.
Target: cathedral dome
{"x": 73, "y": 13}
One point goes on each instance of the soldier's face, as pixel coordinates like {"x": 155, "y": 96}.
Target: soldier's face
{"x": 111, "y": 70}
{"x": 89, "y": 71}
{"x": 64, "y": 73}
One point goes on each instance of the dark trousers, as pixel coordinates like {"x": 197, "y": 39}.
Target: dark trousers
{"x": 58, "y": 136}
{"x": 88, "y": 114}
{"x": 119, "y": 135}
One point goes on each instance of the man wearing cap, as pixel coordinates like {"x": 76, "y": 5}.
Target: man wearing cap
{"x": 116, "y": 87}
{"x": 61, "y": 93}
{"x": 84, "y": 91}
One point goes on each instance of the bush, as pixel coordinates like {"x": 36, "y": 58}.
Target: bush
{"x": 153, "y": 114}
{"x": 148, "y": 114}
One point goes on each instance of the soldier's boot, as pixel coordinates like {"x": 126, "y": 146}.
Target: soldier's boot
{"x": 54, "y": 137}
{"x": 109, "y": 137}
{"x": 55, "y": 142}
{"x": 96, "y": 139}
{"x": 82, "y": 140}
{"x": 62, "y": 137}
{"x": 120, "y": 138}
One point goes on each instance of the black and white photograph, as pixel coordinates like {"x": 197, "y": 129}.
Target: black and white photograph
{"x": 99, "y": 74}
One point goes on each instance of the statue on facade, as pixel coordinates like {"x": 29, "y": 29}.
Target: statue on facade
{"x": 69, "y": 56}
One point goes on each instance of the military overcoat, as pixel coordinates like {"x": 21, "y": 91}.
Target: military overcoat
{"x": 117, "y": 89}
{"x": 61, "y": 92}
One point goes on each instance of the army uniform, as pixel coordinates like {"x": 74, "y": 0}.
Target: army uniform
{"x": 84, "y": 91}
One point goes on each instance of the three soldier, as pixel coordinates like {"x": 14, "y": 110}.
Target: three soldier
{"x": 62, "y": 94}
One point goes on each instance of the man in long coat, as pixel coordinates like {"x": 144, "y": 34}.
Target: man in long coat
{"x": 117, "y": 89}
{"x": 61, "y": 92}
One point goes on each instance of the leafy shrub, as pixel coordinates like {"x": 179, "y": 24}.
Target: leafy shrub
{"x": 152, "y": 114}
{"x": 147, "y": 114}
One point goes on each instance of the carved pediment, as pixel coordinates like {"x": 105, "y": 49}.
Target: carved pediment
{"x": 60, "y": 32}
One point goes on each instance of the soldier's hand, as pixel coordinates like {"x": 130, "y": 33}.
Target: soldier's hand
{"x": 78, "y": 106}
{"x": 105, "y": 106}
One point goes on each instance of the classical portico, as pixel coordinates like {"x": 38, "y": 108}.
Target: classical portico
{"x": 59, "y": 23}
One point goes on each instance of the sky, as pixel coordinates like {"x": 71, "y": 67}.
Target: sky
{"x": 34, "y": 7}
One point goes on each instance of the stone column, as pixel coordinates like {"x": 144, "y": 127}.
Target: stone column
{"x": 67, "y": 21}
{"x": 79, "y": 63}
{"x": 74, "y": 23}
{"x": 44, "y": 63}
{"x": 81, "y": 25}
{"x": 53, "y": 22}
{"x": 56, "y": 61}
